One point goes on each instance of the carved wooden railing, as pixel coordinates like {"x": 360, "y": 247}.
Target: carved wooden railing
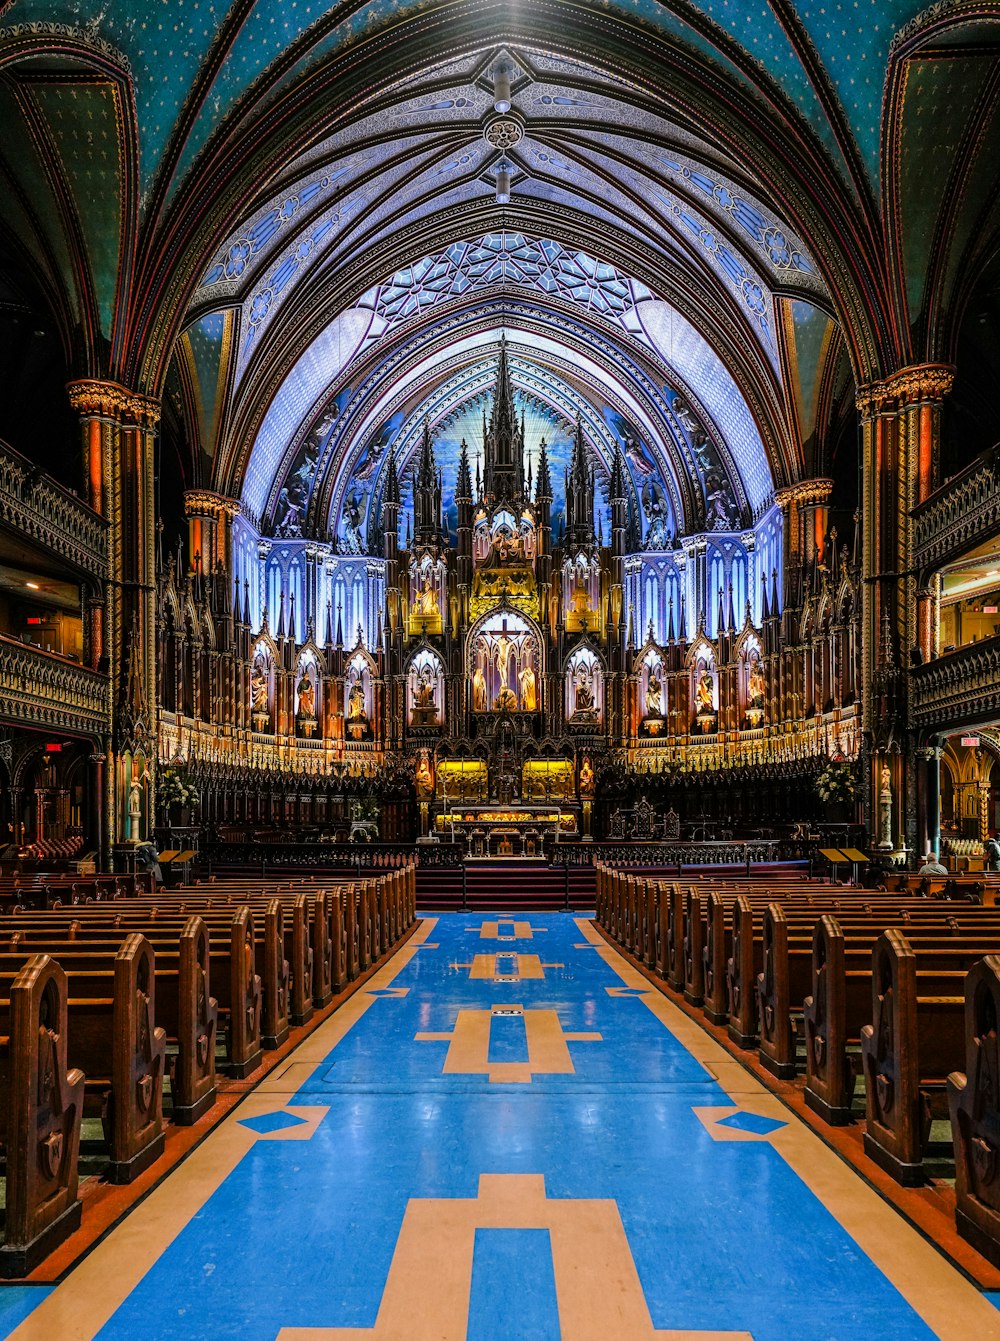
{"x": 42, "y": 689}
{"x": 37, "y": 507}
{"x": 960, "y": 515}
{"x": 960, "y": 688}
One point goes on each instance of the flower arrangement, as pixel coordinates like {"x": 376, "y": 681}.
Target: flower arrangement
{"x": 836, "y": 782}
{"x": 175, "y": 788}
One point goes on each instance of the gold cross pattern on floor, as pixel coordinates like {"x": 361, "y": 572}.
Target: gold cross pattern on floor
{"x": 469, "y": 1050}
{"x": 598, "y": 1287}
{"x": 508, "y": 931}
{"x": 508, "y": 967}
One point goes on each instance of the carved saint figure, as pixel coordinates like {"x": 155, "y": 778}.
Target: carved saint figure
{"x": 258, "y": 689}
{"x": 424, "y": 697}
{"x": 506, "y": 700}
{"x": 654, "y": 692}
{"x": 581, "y": 598}
{"x": 705, "y": 691}
{"x": 356, "y": 703}
{"x": 307, "y": 696}
{"x": 584, "y": 690}
{"x": 422, "y": 777}
{"x": 427, "y": 601}
{"x": 526, "y": 679}
{"x": 479, "y": 690}
{"x": 586, "y": 776}
{"x": 756, "y": 689}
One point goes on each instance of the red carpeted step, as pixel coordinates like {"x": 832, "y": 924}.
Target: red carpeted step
{"x": 511, "y": 886}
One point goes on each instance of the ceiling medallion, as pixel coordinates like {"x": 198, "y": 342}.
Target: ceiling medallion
{"x": 504, "y": 132}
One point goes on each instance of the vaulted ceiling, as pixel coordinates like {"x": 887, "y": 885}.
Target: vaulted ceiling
{"x": 264, "y": 210}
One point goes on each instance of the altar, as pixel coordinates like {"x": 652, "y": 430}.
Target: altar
{"x": 493, "y": 833}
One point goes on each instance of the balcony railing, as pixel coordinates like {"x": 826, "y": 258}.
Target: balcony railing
{"x": 961, "y": 688}
{"x": 960, "y": 515}
{"x": 41, "y": 510}
{"x": 44, "y": 690}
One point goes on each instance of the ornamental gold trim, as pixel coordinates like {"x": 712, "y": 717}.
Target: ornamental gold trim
{"x": 803, "y": 491}
{"x": 907, "y": 386}
{"x": 204, "y": 502}
{"x": 110, "y": 400}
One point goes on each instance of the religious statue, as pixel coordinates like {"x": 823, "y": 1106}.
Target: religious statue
{"x": 654, "y": 691}
{"x": 352, "y": 541}
{"x": 427, "y": 601}
{"x": 356, "y": 703}
{"x": 258, "y": 691}
{"x": 422, "y": 777}
{"x": 584, "y": 691}
{"x": 479, "y": 690}
{"x": 586, "y": 777}
{"x": 424, "y": 697}
{"x": 506, "y": 700}
{"x": 529, "y": 699}
{"x": 307, "y": 697}
{"x": 581, "y": 598}
{"x": 756, "y": 688}
{"x": 134, "y": 810}
{"x": 705, "y": 691}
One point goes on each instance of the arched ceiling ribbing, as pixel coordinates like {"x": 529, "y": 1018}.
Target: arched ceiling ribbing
{"x": 246, "y": 171}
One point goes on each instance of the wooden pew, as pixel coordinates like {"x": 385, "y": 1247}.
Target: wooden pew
{"x": 41, "y": 1107}
{"x": 974, "y": 1108}
{"x": 788, "y": 943}
{"x": 916, "y": 1036}
{"x": 185, "y": 1008}
{"x": 113, "y": 1038}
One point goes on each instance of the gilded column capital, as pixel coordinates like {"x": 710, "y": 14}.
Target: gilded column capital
{"x": 206, "y": 503}
{"x": 906, "y": 386}
{"x": 803, "y": 491}
{"x": 110, "y": 400}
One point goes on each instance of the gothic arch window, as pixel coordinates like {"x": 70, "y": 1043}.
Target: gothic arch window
{"x": 425, "y": 690}
{"x": 358, "y": 699}
{"x": 652, "y": 691}
{"x": 505, "y": 663}
{"x": 274, "y": 593}
{"x": 716, "y": 586}
{"x": 296, "y": 600}
{"x": 584, "y": 680}
{"x": 739, "y": 581}
{"x": 651, "y": 612}
{"x": 357, "y": 606}
{"x": 307, "y": 689}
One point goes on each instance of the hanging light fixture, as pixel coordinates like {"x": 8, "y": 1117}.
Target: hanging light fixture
{"x": 501, "y": 87}
{"x": 503, "y": 182}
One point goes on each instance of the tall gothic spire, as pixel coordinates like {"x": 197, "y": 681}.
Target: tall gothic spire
{"x": 543, "y": 484}
{"x": 427, "y": 494}
{"x": 463, "y": 485}
{"x": 503, "y": 444}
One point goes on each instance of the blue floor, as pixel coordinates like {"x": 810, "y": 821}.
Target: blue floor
{"x": 17, "y": 1302}
{"x": 723, "y": 1234}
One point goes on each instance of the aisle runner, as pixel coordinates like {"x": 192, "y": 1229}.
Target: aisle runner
{"x": 516, "y": 1140}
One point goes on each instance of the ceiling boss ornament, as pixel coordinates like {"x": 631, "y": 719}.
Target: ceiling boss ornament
{"x": 504, "y": 132}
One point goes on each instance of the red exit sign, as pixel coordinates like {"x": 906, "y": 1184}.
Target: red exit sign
{"x": 971, "y": 742}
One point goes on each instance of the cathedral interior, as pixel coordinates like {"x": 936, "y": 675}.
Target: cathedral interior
{"x": 540, "y": 432}
{"x": 499, "y": 670}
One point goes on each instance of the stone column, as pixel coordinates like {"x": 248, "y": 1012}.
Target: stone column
{"x": 96, "y": 808}
{"x": 118, "y": 428}
{"x": 210, "y": 529}
{"x": 901, "y": 426}
{"x": 928, "y": 776}
{"x": 804, "y": 509}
